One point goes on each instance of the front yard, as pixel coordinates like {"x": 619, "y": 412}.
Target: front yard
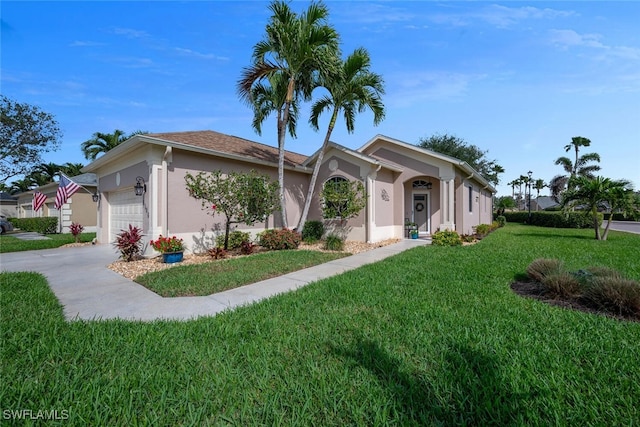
{"x": 433, "y": 336}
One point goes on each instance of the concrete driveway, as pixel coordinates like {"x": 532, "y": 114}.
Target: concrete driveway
{"x": 628, "y": 226}
{"x": 88, "y": 290}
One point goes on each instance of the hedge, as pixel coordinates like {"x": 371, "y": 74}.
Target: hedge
{"x": 43, "y": 225}
{"x": 554, "y": 219}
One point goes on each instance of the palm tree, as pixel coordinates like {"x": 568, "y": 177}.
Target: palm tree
{"x": 579, "y": 167}
{"x": 45, "y": 173}
{"x": 101, "y": 143}
{"x": 621, "y": 199}
{"x": 593, "y": 193}
{"x": 72, "y": 169}
{"x": 298, "y": 48}
{"x": 20, "y": 186}
{"x": 269, "y": 98}
{"x": 352, "y": 90}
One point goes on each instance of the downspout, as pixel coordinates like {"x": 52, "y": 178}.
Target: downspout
{"x": 166, "y": 159}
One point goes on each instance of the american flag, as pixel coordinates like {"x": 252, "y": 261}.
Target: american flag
{"x": 65, "y": 189}
{"x": 38, "y": 200}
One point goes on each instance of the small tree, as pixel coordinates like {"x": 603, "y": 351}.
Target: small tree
{"x": 343, "y": 200}
{"x": 25, "y": 133}
{"x": 243, "y": 198}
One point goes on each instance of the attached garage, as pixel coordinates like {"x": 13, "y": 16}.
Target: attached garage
{"x": 124, "y": 208}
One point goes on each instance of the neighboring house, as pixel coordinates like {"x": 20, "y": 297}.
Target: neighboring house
{"x": 80, "y": 207}
{"x": 405, "y": 183}
{"x": 543, "y": 202}
{"x": 8, "y": 205}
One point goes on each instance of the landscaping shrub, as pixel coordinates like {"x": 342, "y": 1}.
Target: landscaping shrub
{"x": 312, "y": 231}
{"x": 501, "y": 220}
{"x": 561, "y": 284}
{"x": 236, "y": 239}
{"x": 334, "y": 242}
{"x": 554, "y": 219}
{"x": 614, "y": 294}
{"x": 279, "y": 239}
{"x": 543, "y": 267}
{"x": 129, "y": 243}
{"x": 482, "y": 230}
{"x": 43, "y": 225}
{"x": 446, "y": 238}
{"x": 217, "y": 253}
{"x": 76, "y": 229}
{"x": 247, "y": 248}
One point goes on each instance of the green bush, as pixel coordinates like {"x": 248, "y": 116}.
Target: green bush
{"x": 333, "y": 242}
{"x": 446, "y": 238}
{"x": 279, "y": 239}
{"x": 501, "y": 220}
{"x": 312, "y": 231}
{"x": 482, "y": 230}
{"x": 42, "y": 225}
{"x": 554, "y": 219}
{"x": 236, "y": 239}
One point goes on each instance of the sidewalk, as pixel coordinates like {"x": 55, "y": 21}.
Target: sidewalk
{"x": 88, "y": 290}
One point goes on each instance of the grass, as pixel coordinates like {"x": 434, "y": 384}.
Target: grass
{"x": 9, "y": 243}
{"x": 433, "y": 336}
{"x": 209, "y": 278}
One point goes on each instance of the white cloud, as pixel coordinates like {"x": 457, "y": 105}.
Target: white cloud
{"x": 566, "y": 39}
{"x": 416, "y": 88}
{"x": 130, "y": 33}
{"x": 499, "y": 16}
{"x": 84, "y": 43}
{"x": 193, "y": 53}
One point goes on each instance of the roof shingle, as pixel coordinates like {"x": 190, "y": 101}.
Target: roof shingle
{"x": 220, "y": 142}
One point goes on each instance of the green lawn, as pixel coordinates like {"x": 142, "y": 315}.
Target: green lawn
{"x": 8, "y": 243}
{"x": 433, "y": 336}
{"x": 217, "y": 276}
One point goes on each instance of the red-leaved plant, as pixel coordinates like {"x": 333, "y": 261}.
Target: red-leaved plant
{"x": 129, "y": 243}
{"x": 76, "y": 229}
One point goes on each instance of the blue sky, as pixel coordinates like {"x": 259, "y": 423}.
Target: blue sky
{"x": 518, "y": 79}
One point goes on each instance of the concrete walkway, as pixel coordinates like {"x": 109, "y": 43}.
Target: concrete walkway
{"x": 88, "y": 290}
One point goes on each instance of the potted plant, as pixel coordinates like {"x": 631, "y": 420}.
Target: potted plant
{"x": 171, "y": 248}
{"x": 413, "y": 233}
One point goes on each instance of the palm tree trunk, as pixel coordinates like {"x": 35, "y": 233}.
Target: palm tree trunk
{"x": 283, "y": 203}
{"x": 316, "y": 171}
{"x": 606, "y": 230}
{"x": 595, "y": 223}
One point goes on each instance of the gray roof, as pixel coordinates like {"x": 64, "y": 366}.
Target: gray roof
{"x": 85, "y": 179}
{"x": 6, "y": 196}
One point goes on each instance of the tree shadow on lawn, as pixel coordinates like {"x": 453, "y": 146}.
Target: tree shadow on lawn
{"x": 473, "y": 392}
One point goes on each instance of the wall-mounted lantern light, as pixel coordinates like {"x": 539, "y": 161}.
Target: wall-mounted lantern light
{"x": 95, "y": 197}
{"x": 140, "y": 186}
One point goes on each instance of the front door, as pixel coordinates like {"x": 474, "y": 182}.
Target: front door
{"x": 421, "y": 212}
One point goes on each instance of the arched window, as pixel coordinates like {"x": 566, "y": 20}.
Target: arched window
{"x": 420, "y": 184}
{"x": 335, "y": 186}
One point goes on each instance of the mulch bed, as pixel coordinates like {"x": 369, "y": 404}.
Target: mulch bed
{"x": 536, "y": 291}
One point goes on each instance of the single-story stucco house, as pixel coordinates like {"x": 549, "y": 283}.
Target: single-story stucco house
{"x": 404, "y": 183}
{"x": 79, "y": 208}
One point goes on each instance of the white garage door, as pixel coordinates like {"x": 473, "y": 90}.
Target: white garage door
{"x": 124, "y": 208}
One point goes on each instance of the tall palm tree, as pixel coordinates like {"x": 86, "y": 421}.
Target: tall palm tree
{"x": 579, "y": 167}
{"x": 20, "y": 186}
{"x": 298, "y": 48}
{"x": 353, "y": 89}
{"x": 101, "y": 143}
{"x": 271, "y": 98}
{"x": 593, "y": 193}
